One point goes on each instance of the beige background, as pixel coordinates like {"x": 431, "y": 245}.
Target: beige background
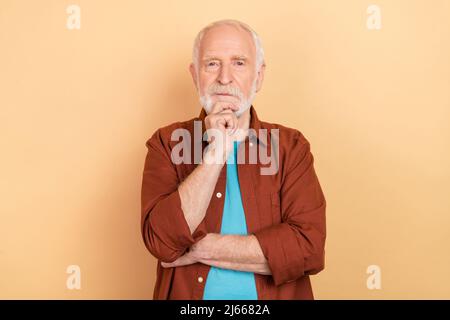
{"x": 76, "y": 108}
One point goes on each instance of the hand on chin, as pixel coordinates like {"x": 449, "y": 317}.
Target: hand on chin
{"x": 229, "y": 99}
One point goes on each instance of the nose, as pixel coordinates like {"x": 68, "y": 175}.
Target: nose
{"x": 224, "y": 76}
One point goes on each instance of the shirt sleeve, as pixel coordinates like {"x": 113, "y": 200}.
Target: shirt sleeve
{"x": 295, "y": 247}
{"x": 164, "y": 228}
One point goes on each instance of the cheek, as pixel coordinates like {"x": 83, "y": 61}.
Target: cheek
{"x": 246, "y": 83}
{"x": 246, "y": 89}
{"x": 205, "y": 83}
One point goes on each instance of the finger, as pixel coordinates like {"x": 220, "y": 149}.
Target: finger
{"x": 235, "y": 122}
{"x": 218, "y": 107}
{"x": 229, "y": 106}
{"x": 233, "y": 107}
{"x": 179, "y": 262}
{"x": 230, "y": 121}
{"x": 228, "y": 115}
{"x": 167, "y": 265}
{"x": 221, "y": 122}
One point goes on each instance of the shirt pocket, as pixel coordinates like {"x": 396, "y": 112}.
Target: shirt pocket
{"x": 275, "y": 207}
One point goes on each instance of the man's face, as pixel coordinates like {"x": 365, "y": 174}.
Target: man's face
{"x": 227, "y": 68}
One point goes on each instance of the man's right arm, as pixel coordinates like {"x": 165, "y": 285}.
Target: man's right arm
{"x": 171, "y": 212}
{"x": 197, "y": 189}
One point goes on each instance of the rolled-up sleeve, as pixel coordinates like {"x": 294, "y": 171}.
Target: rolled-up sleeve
{"x": 164, "y": 228}
{"x": 296, "y": 247}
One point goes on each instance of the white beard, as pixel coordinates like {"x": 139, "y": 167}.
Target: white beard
{"x": 207, "y": 103}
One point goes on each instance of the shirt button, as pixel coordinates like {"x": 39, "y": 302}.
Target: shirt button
{"x": 200, "y": 279}
{"x": 218, "y": 195}
{"x": 251, "y": 144}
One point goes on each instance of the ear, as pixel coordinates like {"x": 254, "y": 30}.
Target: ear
{"x": 260, "y": 76}
{"x": 193, "y": 74}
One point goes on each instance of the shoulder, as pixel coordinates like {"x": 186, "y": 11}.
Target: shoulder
{"x": 288, "y": 137}
{"x": 294, "y": 151}
{"x": 162, "y": 136}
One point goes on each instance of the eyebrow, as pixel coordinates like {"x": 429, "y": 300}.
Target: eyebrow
{"x": 235, "y": 57}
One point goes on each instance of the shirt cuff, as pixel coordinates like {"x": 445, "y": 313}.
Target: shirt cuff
{"x": 282, "y": 250}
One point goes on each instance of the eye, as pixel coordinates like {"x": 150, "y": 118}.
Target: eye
{"x": 212, "y": 64}
{"x": 240, "y": 62}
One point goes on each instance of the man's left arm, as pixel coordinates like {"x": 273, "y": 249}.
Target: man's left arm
{"x": 296, "y": 247}
{"x": 236, "y": 252}
{"x": 288, "y": 250}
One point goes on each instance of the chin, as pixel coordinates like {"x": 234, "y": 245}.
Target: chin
{"x": 207, "y": 102}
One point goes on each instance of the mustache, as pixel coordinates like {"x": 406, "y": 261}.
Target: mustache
{"x": 219, "y": 89}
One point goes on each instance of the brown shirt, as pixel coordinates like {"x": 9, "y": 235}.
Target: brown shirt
{"x": 285, "y": 211}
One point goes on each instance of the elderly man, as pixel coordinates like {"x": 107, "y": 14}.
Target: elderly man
{"x": 225, "y": 229}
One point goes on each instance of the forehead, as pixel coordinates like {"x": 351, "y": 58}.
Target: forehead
{"x": 227, "y": 40}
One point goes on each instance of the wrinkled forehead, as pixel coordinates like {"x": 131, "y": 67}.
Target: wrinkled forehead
{"x": 226, "y": 41}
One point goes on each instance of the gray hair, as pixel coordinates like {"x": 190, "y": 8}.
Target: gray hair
{"x": 256, "y": 40}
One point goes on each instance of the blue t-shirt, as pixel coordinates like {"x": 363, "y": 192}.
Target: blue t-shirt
{"x": 225, "y": 284}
